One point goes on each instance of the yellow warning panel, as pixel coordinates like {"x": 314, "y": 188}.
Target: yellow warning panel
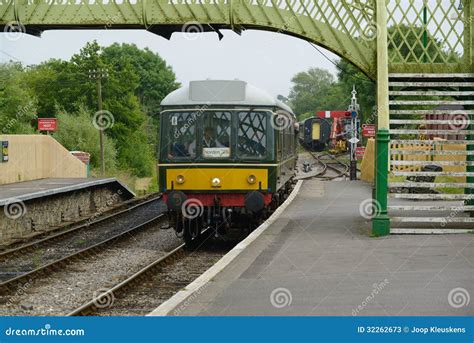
{"x": 228, "y": 178}
{"x": 316, "y": 131}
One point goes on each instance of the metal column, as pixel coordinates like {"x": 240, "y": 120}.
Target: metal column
{"x": 381, "y": 221}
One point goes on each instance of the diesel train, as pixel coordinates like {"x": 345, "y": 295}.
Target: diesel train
{"x": 314, "y": 133}
{"x": 227, "y": 157}
{"x": 327, "y": 130}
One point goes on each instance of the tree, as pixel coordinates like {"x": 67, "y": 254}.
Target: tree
{"x": 350, "y": 76}
{"x": 155, "y": 78}
{"x": 314, "y": 90}
{"x": 17, "y": 104}
{"x": 137, "y": 82}
{"x": 77, "y": 132}
{"x": 406, "y": 45}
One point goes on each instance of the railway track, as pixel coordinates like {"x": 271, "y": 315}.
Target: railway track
{"x": 152, "y": 285}
{"x": 341, "y": 169}
{"x": 25, "y": 263}
{"x": 126, "y": 206}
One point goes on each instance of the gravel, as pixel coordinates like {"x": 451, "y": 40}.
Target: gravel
{"x": 59, "y": 248}
{"x": 65, "y": 290}
{"x": 164, "y": 283}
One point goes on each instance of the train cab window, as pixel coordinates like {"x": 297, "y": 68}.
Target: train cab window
{"x": 252, "y": 139}
{"x": 216, "y": 135}
{"x": 182, "y": 128}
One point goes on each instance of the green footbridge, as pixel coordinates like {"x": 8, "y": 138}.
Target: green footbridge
{"x": 420, "y": 52}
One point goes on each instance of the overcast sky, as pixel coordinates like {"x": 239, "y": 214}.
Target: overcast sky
{"x": 267, "y": 60}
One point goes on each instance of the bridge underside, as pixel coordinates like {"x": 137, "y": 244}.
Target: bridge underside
{"x": 428, "y": 36}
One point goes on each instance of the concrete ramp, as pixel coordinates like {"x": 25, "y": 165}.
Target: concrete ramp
{"x": 33, "y": 157}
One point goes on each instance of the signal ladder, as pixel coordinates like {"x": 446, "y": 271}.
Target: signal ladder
{"x": 431, "y": 180}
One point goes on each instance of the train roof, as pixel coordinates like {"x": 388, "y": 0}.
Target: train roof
{"x": 222, "y": 92}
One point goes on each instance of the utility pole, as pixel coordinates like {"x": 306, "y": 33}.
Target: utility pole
{"x": 98, "y": 75}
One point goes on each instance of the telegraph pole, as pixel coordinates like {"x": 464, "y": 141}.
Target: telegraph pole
{"x": 98, "y": 75}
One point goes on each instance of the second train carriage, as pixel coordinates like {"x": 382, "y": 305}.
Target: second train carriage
{"x": 314, "y": 133}
{"x": 227, "y": 156}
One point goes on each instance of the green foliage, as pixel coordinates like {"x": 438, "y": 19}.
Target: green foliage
{"x": 318, "y": 90}
{"x": 406, "y": 45}
{"x": 78, "y": 133}
{"x": 17, "y": 104}
{"x": 155, "y": 78}
{"x": 136, "y": 83}
{"x": 314, "y": 90}
{"x": 350, "y": 76}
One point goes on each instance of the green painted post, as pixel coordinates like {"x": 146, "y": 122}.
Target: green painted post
{"x": 381, "y": 221}
{"x": 425, "y": 31}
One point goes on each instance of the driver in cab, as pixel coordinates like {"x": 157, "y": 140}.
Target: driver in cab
{"x": 208, "y": 141}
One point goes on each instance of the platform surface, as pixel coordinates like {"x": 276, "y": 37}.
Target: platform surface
{"x": 28, "y": 190}
{"x": 318, "y": 259}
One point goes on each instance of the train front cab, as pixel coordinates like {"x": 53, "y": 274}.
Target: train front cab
{"x": 222, "y": 168}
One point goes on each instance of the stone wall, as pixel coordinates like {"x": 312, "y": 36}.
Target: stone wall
{"x": 23, "y": 220}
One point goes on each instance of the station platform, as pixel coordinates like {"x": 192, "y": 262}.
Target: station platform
{"x": 32, "y": 208}
{"x": 318, "y": 259}
{"x": 29, "y": 190}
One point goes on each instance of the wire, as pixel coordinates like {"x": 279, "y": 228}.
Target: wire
{"x": 11, "y": 56}
{"x": 337, "y": 66}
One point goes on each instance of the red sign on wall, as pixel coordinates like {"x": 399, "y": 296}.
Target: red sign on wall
{"x": 47, "y": 124}
{"x": 368, "y": 130}
{"x": 360, "y": 151}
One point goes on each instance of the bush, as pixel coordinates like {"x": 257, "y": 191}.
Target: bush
{"x": 76, "y": 132}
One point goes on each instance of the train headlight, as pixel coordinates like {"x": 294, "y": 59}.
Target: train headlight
{"x": 216, "y": 182}
{"x": 180, "y": 179}
{"x": 251, "y": 179}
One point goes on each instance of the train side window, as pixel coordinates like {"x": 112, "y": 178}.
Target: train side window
{"x": 252, "y": 138}
{"x": 279, "y": 139}
{"x": 182, "y": 128}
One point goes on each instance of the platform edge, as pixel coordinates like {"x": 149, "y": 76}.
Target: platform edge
{"x": 176, "y": 300}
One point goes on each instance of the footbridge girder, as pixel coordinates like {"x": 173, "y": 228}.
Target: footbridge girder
{"x": 429, "y": 36}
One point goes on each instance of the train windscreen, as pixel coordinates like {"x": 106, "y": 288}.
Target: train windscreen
{"x": 252, "y": 138}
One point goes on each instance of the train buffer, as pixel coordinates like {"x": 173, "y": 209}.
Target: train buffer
{"x": 318, "y": 258}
